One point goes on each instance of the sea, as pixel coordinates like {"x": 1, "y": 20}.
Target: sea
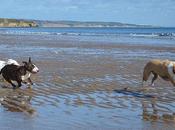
{"x": 134, "y": 35}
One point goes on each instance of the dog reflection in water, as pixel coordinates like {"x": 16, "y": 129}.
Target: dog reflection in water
{"x": 151, "y": 113}
{"x": 18, "y": 101}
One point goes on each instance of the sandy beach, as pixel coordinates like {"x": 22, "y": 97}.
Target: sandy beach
{"x": 85, "y": 85}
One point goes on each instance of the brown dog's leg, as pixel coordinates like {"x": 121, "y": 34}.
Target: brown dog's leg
{"x": 30, "y": 81}
{"x": 8, "y": 80}
{"x": 19, "y": 83}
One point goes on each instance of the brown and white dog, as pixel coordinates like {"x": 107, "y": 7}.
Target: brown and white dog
{"x": 19, "y": 73}
{"x": 162, "y": 68}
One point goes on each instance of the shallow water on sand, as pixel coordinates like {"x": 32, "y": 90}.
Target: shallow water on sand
{"x": 85, "y": 85}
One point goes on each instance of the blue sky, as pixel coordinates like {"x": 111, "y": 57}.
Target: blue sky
{"x": 152, "y": 12}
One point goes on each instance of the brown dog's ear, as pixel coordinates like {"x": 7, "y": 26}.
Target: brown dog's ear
{"x": 24, "y": 62}
{"x": 29, "y": 59}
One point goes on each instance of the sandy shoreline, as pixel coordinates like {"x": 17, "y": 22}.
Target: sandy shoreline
{"x": 89, "y": 79}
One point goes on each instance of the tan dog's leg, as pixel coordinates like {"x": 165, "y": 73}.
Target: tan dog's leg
{"x": 172, "y": 81}
{"x": 154, "y": 78}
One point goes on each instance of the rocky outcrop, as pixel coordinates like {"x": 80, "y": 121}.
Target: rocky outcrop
{"x": 17, "y": 23}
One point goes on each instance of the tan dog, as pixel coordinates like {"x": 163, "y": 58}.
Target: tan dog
{"x": 162, "y": 68}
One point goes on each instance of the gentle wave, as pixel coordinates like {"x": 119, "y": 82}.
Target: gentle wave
{"x": 94, "y": 32}
{"x": 151, "y": 35}
{"x": 170, "y": 35}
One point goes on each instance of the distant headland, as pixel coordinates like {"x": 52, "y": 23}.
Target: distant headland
{"x": 17, "y": 23}
{"x": 4, "y": 22}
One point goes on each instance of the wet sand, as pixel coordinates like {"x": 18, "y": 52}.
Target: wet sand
{"x": 85, "y": 85}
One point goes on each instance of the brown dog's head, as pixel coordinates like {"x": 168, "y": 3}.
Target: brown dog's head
{"x": 30, "y": 66}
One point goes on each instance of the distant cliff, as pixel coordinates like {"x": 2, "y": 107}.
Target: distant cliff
{"x": 43, "y": 23}
{"x": 17, "y": 23}
{"x": 85, "y": 24}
